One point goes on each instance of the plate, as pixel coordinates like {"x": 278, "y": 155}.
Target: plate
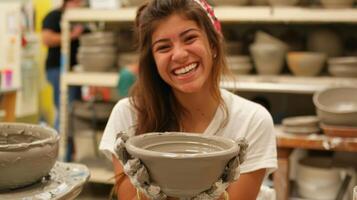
{"x": 301, "y": 130}
{"x": 64, "y": 182}
{"x": 338, "y": 131}
{"x": 299, "y": 121}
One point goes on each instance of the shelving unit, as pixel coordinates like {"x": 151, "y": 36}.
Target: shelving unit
{"x": 274, "y": 84}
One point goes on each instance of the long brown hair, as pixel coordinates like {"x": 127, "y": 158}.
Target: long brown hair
{"x": 156, "y": 106}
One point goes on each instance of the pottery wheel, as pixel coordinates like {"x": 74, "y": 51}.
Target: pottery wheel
{"x": 64, "y": 182}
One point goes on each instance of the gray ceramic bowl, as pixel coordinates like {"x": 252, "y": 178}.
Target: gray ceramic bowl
{"x": 337, "y": 106}
{"x": 183, "y": 164}
{"x": 27, "y": 153}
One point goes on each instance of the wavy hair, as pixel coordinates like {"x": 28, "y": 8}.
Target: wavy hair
{"x": 156, "y": 106}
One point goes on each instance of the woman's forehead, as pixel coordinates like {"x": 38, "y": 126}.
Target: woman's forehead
{"x": 173, "y": 26}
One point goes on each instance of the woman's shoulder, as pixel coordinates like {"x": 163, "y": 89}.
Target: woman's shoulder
{"x": 124, "y": 106}
{"x": 239, "y": 106}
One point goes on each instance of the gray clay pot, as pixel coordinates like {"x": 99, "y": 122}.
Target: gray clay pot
{"x": 27, "y": 153}
{"x": 183, "y": 164}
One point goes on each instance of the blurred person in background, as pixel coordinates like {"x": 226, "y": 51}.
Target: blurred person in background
{"x": 51, "y": 37}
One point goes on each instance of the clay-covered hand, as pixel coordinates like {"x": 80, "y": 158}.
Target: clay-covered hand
{"x": 230, "y": 174}
{"x": 136, "y": 171}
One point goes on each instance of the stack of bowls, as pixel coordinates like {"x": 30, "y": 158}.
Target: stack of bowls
{"x": 301, "y": 124}
{"x": 268, "y": 54}
{"x": 337, "y": 3}
{"x": 306, "y": 63}
{"x": 239, "y": 65}
{"x": 337, "y": 106}
{"x": 317, "y": 179}
{"x": 97, "y": 51}
{"x": 343, "y": 66}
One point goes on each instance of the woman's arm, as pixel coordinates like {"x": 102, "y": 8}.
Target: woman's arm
{"x": 247, "y": 186}
{"x": 124, "y": 188}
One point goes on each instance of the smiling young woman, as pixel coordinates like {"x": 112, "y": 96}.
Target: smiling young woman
{"x": 181, "y": 62}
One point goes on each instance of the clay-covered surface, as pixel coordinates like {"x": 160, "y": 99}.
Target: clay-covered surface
{"x": 65, "y": 182}
{"x": 27, "y": 153}
{"x": 183, "y": 165}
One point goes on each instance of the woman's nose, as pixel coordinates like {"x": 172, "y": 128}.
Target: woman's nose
{"x": 180, "y": 54}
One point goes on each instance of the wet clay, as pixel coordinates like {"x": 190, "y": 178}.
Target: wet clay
{"x": 27, "y": 154}
{"x": 183, "y": 165}
{"x": 65, "y": 181}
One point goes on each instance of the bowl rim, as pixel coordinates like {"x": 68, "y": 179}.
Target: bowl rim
{"x": 325, "y": 108}
{"x": 130, "y": 147}
{"x": 51, "y": 140}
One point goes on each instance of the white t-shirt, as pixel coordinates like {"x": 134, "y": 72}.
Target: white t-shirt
{"x": 247, "y": 120}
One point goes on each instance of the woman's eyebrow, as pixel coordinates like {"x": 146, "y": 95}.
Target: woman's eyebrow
{"x": 181, "y": 34}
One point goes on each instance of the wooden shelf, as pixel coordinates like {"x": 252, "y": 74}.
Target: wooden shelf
{"x": 102, "y": 79}
{"x": 232, "y": 14}
{"x": 278, "y": 83}
{"x": 285, "y": 83}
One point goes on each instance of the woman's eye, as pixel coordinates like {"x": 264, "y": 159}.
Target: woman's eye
{"x": 162, "y": 48}
{"x": 190, "y": 39}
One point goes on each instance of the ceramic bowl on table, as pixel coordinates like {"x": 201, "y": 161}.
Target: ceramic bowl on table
{"x": 306, "y": 63}
{"x": 337, "y": 106}
{"x": 27, "y": 153}
{"x": 183, "y": 164}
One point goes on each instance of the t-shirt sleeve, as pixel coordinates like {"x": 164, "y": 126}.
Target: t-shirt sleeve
{"x": 121, "y": 119}
{"x": 52, "y": 21}
{"x": 262, "y": 151}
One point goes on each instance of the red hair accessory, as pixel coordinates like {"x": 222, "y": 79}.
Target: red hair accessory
{"x": 209, "y": 10}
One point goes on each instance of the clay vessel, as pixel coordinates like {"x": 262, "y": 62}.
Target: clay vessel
{"x": 268, "y": 58}
{"x": 306, "y": 63}
{"x": 337, "y": 3}
{"x": 27, "y": 153}
{"x": 183, "y": 164}
{"x": 239, "y": 64}
{"x": 337, "y": 106}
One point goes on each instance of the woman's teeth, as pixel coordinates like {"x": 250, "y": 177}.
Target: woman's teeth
{"x": 186, "y": 69}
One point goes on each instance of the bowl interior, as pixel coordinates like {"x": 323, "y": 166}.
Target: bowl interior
{"x": 180, "y": 144}
{"x": 12, "y": 134}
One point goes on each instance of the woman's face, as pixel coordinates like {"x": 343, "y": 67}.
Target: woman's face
{"x": 182, "y": 54}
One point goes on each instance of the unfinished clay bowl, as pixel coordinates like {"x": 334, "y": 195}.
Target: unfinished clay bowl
{"x": 27, "y": 153}
{"x": 99, "y": 62}
{"x": 301, "y": 121}
{"x": 337, "y": 106}
{"x": 306, "y": 63}
{"x": 183, "y": 164}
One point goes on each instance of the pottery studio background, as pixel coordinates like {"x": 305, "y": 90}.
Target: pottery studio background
{"x": 282, "y": 53}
